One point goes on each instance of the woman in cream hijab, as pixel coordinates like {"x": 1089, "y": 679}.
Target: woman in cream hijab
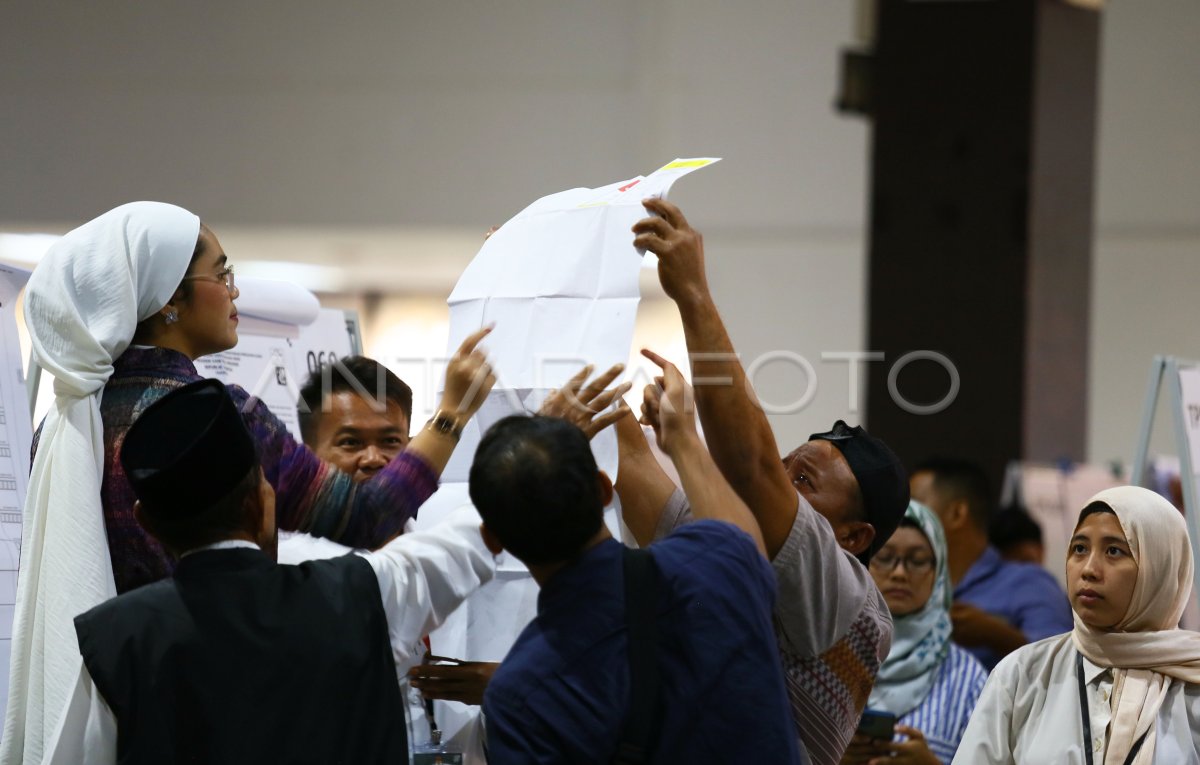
{"x": 1124, "y": 685}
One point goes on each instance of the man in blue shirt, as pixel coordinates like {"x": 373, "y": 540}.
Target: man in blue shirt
{"x": 562, "y": 695}
{"x": 999, "y": 605}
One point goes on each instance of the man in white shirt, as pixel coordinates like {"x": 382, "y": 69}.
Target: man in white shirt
{"x": 236, "y": 658}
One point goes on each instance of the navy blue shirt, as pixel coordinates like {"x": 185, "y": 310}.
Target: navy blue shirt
{"x": 1024, "y": 594}
{"x": 561, "y": 694}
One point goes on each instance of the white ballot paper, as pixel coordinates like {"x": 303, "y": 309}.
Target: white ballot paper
{"x": 560, "y": 283}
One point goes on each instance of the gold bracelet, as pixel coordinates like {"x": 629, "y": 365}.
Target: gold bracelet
{"x": 446, "y": 423}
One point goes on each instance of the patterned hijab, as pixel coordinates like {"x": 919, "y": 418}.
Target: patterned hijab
{"x": 1146, "y": 649}
{"x": 922, "y": 639}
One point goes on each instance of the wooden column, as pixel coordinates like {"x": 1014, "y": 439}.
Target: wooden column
{"x": 982, "y": 177}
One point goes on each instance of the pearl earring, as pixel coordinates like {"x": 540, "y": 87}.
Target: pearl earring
{"x": 171, "y": 316}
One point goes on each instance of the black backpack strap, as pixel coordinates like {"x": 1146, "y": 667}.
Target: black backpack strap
{"x": 645, "y": 681}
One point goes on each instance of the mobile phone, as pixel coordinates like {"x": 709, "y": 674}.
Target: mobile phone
{"x": 877, "y": 724}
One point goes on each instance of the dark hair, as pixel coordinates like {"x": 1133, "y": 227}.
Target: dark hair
{"x": 220, "y": 520}
{"x": 909, "y": 523}
{"x": 962, "y": 480}
{"x": 185, "y": 285}
{"x": 145, "y": 326}
{"x": 1093, "y": 509}
{"x": 534, "y": 484}
{"x": 1013, "y": 525}
{"x": 356, "y": 374}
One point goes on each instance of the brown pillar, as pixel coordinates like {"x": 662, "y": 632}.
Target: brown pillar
{"x": 982, "y": 173}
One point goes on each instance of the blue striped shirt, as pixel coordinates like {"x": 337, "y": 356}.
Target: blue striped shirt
{"x": 942, "y": 717}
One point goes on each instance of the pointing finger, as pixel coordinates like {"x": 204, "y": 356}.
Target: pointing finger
{"x": 473, "y": 339}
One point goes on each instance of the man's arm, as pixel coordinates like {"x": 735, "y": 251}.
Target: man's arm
{"x": 642, "y": 485}
{"x": 739, "y": 435}
{"x": 973, "y": 628}
{"x": 668, "y": 408}
{"x": 1046, "y": 611}
{"x": 425, "y": 575}
{"x": 465, "y": 682}
{"x": 1042, "y": 612}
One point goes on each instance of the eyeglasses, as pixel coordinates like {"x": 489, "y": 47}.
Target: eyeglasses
{"x": 885, "y": 563}
{"x": 224, "y": 276}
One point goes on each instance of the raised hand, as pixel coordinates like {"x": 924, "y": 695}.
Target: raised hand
{"x": 669, "y": 408}
{"x": 469, "y": 378}
{"x": 584, "y": 406}
{"x": 680, "y": 250}
{"x": 669, "y": 405}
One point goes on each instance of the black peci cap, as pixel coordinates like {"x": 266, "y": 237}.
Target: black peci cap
{"x": 881, "y": 477}
{"x": 188, "y": 450}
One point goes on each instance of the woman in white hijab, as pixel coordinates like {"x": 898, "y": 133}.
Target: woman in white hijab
{"x": 929, "y": 684}
{"x": 1124, "y": 685}
{"x": 117, "y": 310}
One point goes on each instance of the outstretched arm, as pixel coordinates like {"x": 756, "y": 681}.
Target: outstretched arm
{"x": 642, "y": 485}
{"x": 425, "y": 575}
{"x": 739, "y": 435}
{"x": 669, "y": 409}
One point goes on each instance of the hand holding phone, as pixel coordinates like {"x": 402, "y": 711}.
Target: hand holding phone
{"x": 877, "y": 724}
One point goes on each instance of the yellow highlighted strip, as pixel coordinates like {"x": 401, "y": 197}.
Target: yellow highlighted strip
{"x": 686, "y": 163}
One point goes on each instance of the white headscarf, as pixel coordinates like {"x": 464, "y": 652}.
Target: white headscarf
{"x": 921, "y": 641}
{"x": 82, "y": 305}
{"x": 1146, "y": 649}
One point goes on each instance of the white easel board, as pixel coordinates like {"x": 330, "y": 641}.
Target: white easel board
{"x": 1182, "y": 381}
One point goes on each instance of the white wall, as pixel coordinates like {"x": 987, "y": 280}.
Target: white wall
{"x": 1147, "y": 257}
{"x": 385, "y": 136}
